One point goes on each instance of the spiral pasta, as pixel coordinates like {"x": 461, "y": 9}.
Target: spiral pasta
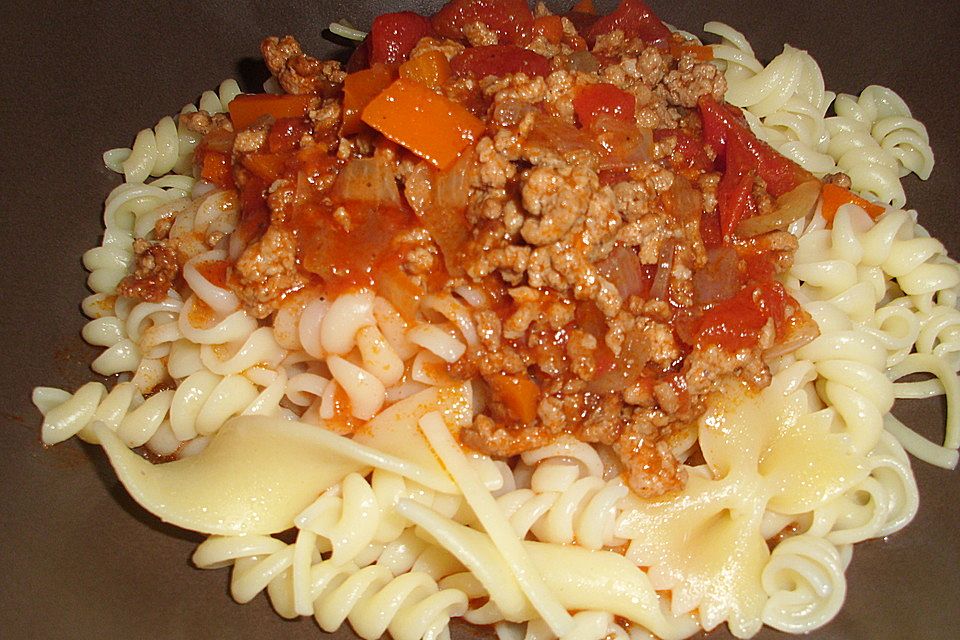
{"x": 168, "y": 146}
{"x": 335, "y": 418}
{"x": 846, "y": 274}
{"x": 873, "y": 137}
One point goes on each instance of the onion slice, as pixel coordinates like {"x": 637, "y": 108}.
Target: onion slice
{"x": 661, "y": 281}
{"x": 793, "y": 205}
{"x": 371, "y": 180}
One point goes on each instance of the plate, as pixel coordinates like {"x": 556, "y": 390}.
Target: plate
{"x": 80, "y": 559}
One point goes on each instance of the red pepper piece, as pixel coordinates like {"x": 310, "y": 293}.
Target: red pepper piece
{"x": 635, "y": 19}
{"x": 594, "y": 100}
{"x": 688, "y": 153}
{"x": 511, "y": 20}
{"x": 394, "y": 35}
{"x": 722, "y": 121}
{"x": 499, "y": 60}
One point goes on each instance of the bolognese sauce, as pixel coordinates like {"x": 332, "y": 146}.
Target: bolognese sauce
{"x": 619, "y": 227}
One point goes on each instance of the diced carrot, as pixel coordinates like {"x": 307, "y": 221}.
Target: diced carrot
{"x": 835, "y": 197}
{"x": 430, "y": 69}
{"x": 247, "y": 108}
{"x": 358, "y": 90}
{"x": 215, "y": 167}
{"x": 585, "y": 6}
{"x": 578, "y": 43}
{"x": 550, "y": 27}
{"x": 520, "y": 394}
{"x": 700, "y": 53}
{"x": 268, "y": 166}
{"x": 430, "y": 125}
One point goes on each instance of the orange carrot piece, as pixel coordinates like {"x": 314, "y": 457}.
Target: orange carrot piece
{"x": 268, "y": 166}
{"x": 835, "y": 197}
{"x": 585, "y": 6}
{"x": 247, "y": 108}
{"x": 431, "y": 69}
{"x": 550, "y": 27}
{"x": 215, "y": 167}
{"x": 358, "y": 90}
{"x": 700, "y": 53}
{"x": 432, "y": 126}
{"x": 519, "y": 393}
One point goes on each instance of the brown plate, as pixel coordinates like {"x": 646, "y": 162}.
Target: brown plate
{"x": 79, "y": 558}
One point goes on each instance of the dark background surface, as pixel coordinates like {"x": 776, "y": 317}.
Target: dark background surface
{"x": 79, "y": 559}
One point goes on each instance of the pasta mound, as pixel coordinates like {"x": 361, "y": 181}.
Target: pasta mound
{"x": 603, "y": 346}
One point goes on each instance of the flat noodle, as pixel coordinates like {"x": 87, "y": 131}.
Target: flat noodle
{"x": 334, "y": 415}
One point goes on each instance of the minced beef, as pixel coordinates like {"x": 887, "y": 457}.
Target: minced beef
{"x": 618, "y": 302}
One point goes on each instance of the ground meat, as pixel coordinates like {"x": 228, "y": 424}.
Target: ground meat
{"x": 449, "y": 48}
{"x": 203, "y": 123}
{"x": 555, "y": 200}
{"x": 297, "y": 72}
{"x": 251, "y": 139}
{"x": 691, "y": 80}
{"x": 841, "y": 180}
{"x": 265, "y": 271}
{"x": 479, "y": 35}
{"x": 586, "y": 257}
{"x": 156, "y": 268}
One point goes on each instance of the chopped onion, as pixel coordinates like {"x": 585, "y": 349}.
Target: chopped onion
{"x": 791, "y": 206}
{"x": 719, "y": 278}
{"x": 800, "y": 336}
{"x": 623, "y": 268}
{"x": 584, "y": 61}
{"x": 440, "y": 201}
{"x": 661, "y": 281}
{"x": 627, "y": 146}
{"x": 370, "y": 180}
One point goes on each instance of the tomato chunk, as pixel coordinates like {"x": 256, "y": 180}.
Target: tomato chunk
{"x": 215, "y": 167}
{"x": 635, "y": 19}
{"x": 594, "y": 100}
{"x": 550, "y": 27}
{"x": 732, "y": 324}
{"x": 511, "y": 20}
{"x": 688, "y": 152}
{"x": 721, "y": 121}
{"x": 735, "y": 200}
{"x": 394, "y": 35}
{"x": 499, "y": 60}
{"x": 285, "y": 134}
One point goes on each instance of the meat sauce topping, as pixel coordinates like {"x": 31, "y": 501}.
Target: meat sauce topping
{"x": 579, "y": 174}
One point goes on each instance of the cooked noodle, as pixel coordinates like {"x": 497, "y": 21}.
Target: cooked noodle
{"x": 398, "y": 529}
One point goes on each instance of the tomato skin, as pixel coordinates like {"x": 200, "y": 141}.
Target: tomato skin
{"x": 215, "y": 167}
{"x": 735, "y": 200}
{"x": 688, "y": 153}
{"x": 360, "y": 58}
{"x": 732, "y": 324}
{"x": 723, "y": 122}
{"x": 285, "y": 134}
{"x": 499, "y": 60}
{"x": 594, "y": 100}
{"x": 635, "y": 19}
{"x": 394, "y": 35}
{"x": 511, "y": 20}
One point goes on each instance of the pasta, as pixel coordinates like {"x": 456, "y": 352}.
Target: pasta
{"x": 320, "y": 443}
